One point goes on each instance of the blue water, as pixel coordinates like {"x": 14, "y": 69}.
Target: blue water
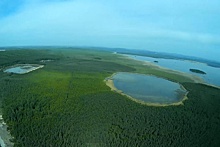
{"x": 212, "y": 75}
{"x": 17, "y": 70}
{"x": 20, "y": 69}
{"x": 148, "y": 88}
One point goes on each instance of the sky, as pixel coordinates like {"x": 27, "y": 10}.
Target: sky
{"x": 189, "y": 27}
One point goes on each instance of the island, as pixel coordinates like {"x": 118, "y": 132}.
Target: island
{"x": 197, "y": 71}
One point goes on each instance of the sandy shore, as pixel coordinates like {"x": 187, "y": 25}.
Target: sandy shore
{"x": 194, "y": 78}
{"x": 34, "y": 67}
{"x": 109, "y": 82}
{"x": 4, "y": 134}
{"x": 39, "y": 66}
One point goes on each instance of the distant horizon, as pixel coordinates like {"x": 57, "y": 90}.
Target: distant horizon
{"x": 101, "y": 47}
{"x": 184, "y": 27}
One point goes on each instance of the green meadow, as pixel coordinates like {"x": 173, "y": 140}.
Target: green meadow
{"x": 67, "y": 103}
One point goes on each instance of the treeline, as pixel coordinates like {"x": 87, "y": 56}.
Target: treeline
{"x": 68, "y": 104}
{"x": 74, "y": 117}
{"x": 23, "y": 56}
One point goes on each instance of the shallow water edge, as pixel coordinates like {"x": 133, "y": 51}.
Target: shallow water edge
{"x": 110, "y": 83}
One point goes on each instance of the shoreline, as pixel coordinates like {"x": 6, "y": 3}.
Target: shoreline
{"x": 194, "y": 78}
{"x": 188, "y": 60}
{"x": 109, "y": 82}
{"x": 34, "y": 67}
{"x": 5, "y": 135}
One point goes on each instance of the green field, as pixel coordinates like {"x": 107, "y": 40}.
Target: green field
{"x": 67, "y": 103}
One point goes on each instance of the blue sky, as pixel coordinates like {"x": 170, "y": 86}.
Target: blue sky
{"x": 190, "y": 27}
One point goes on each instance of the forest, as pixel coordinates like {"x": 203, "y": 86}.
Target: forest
{"x": 67, "y": 103}
{"x": 197, "y": 71}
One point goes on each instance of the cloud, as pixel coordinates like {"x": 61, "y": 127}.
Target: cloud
{"x": 102, "y": 23}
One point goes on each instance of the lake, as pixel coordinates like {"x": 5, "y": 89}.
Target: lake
{"x": 149, "y": 89}
{"x": 212, "y": 75}
{"x": 23, "y": 68}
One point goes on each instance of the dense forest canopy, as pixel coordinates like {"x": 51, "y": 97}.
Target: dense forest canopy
{"x": 67, "y": 103}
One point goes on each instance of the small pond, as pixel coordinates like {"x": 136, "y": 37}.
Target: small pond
{"x": 149, "y": 89}
{"x": 23, "y": 68}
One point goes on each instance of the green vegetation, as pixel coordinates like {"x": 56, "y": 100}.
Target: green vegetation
{"x": 197, "y": 71}
{"x": 67, "y": 103}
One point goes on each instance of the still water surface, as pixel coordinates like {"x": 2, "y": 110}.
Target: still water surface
{"x": 212, "y": 75}
{"x": 22, "y": 69}
{"x": 149, "y": 89}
